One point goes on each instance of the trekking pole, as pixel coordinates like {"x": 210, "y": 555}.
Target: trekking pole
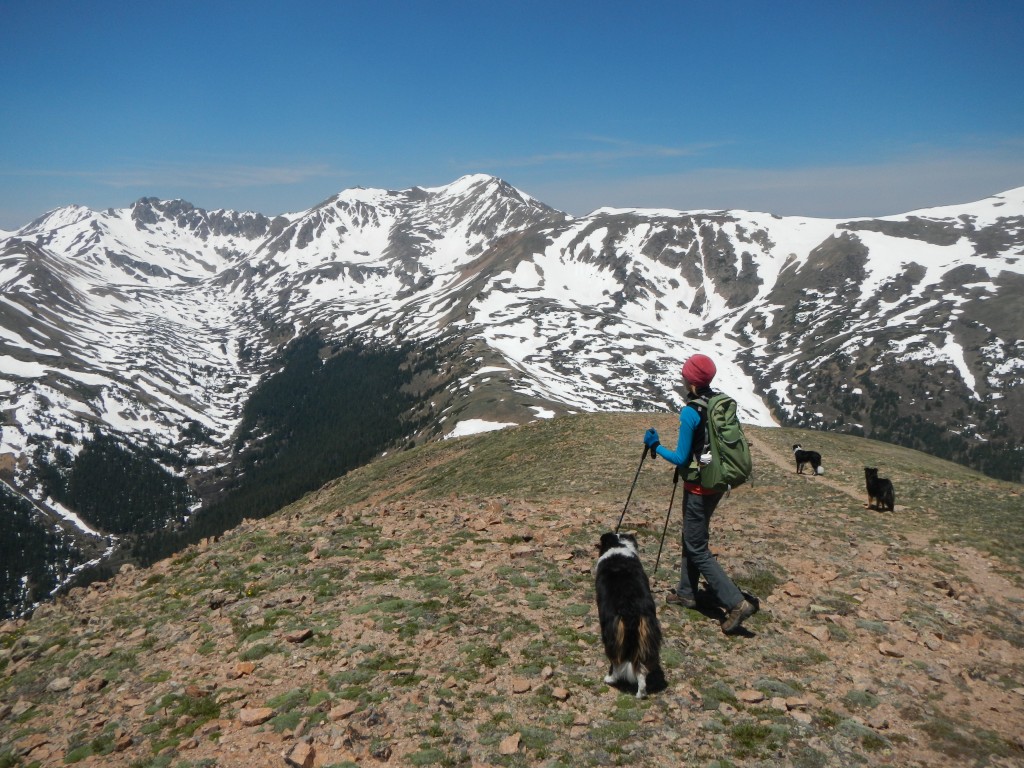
{"x": 643, "y": 456}
{"x": 671, "y": 501}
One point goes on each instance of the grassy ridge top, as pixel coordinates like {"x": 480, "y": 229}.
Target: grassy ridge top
{"x": 595, "y": 457}
{"x": 436, "y": 607}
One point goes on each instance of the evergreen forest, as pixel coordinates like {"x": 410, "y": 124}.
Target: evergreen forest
{"x": 116, "y": 489}
{"x": 33, "y": 559}
{"x": 323, "y": 413}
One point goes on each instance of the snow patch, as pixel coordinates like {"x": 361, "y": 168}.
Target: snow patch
{"x": 477, "y": 426}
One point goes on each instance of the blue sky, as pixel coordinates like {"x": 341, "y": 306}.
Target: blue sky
{"x": 818, "y": 108}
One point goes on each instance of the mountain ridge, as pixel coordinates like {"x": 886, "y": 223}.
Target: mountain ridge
{"x": 156, "y": 323}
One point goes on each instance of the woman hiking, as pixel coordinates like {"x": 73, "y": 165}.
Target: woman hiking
{"x": 699, "y": 503}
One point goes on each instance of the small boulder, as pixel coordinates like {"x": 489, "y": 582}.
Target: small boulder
{"x": 59, "y": 685}
{"x": 343, "y": 710}
{"x": 302, "y": 755}
{"x": 509, "y": 745}
{"x": 255, "y": 715}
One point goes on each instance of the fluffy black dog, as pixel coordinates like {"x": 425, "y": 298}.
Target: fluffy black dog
{"x": 804, "y": 458}
{"x": 628, "y": 615}
{"x": 881, "y": 494}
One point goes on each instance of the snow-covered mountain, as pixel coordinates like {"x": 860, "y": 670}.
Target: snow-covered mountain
{"x": 155, "y": 322}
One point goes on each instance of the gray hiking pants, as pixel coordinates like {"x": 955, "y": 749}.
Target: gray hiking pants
{"x": 697, "y": 558}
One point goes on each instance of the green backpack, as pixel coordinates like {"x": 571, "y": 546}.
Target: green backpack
{"x": 730, "y": 464}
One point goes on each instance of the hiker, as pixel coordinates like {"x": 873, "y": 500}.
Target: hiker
{"x": 699, "y": 503}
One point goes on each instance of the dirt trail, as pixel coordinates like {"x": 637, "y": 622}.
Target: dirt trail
{"x": 973, "y": 567}
{"x": 787, "y": 463}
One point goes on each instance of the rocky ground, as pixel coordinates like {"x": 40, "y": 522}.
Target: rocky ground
{"x": 463, "y": 631}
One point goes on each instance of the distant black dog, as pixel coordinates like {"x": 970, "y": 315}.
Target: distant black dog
{"x": 807, "y": 457}
{"x": 628, "y": 615}
{"x": 881, "y": 494}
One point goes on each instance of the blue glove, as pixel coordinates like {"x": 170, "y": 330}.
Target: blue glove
{"x": 651, "y": 439}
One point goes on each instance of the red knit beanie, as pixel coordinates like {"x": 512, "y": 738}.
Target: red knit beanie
{"x": 699, "y": 370}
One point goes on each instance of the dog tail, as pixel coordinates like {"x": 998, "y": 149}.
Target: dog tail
{"x": 649, "y": 637}
{"x": 648, "y": 653}
{"x": 820, "y": 470}
{"x": 613, "y": 634}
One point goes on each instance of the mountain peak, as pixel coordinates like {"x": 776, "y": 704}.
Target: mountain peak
{"x": 986, "y": 211}
{"x": 465, "y": 184}
{"x": 68, "y": 215}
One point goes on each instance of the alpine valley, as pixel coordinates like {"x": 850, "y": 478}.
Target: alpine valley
{"x": 167, "y": 371}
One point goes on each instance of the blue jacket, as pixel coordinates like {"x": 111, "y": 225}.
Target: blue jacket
{"x": 689, "y": 421}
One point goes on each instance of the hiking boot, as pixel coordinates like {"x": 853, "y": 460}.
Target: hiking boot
{"x": 732, "y": 621}
{"x": 674, "y": 598}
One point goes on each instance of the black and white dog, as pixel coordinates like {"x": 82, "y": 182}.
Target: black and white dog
{"x": 807, "y": 457}
{"x": 881, "y": 494}
{"x": 628, "y": 616}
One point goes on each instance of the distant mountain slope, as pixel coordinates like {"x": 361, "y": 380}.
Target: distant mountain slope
{"x": 436, "y": 607}
{"x": 155, "y": 324}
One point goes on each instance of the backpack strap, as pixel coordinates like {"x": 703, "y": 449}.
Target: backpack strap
{"x": 699, "y": 443}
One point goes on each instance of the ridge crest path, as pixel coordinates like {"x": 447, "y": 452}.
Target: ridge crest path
{"x": 788, "y": 463}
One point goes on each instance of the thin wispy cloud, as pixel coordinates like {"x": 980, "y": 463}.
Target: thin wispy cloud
{"x": 191, "y": 177}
